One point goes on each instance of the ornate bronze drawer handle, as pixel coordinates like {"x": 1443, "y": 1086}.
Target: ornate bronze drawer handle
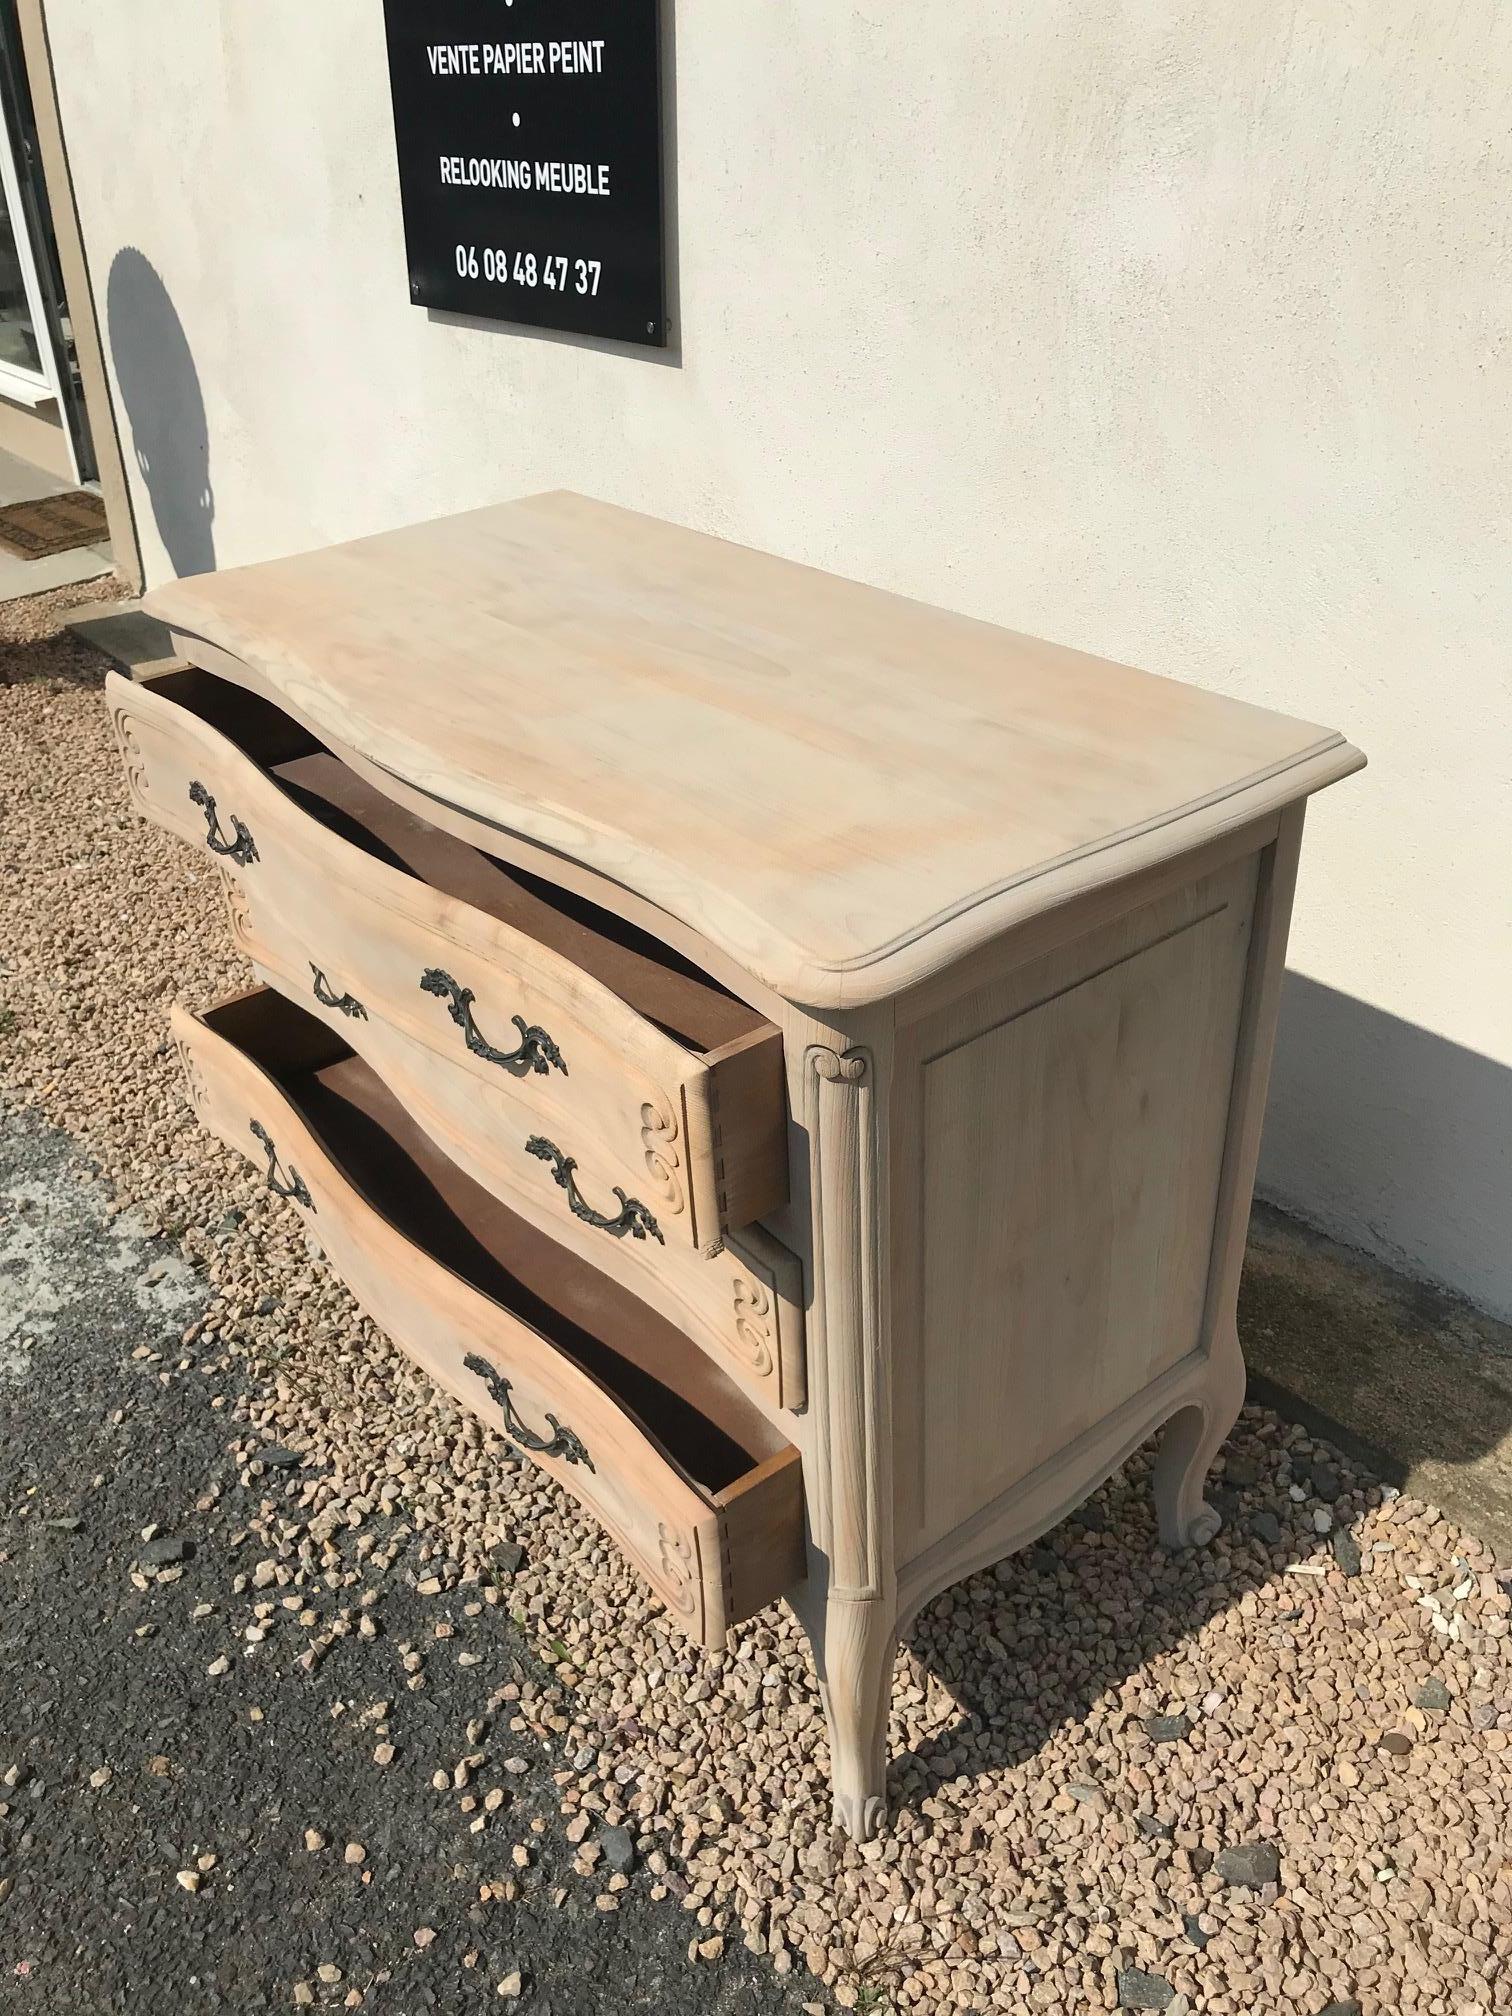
{"x": 633, "y": 1218}
{"x": 346, "y": 1004}
{"x": 536, "y": 1050}
{"x": 243, "y": 849}
{"x": 295, "y": 1187}
{"x": 562, "y": 1442}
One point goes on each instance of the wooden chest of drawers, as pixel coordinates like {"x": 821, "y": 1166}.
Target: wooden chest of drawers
{"x": 791, "y": 1059}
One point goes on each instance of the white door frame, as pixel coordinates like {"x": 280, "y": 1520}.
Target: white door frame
{"x": 29, "y": 388}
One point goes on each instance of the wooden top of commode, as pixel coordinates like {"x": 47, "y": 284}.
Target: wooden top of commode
{"x": 841, "y": 789}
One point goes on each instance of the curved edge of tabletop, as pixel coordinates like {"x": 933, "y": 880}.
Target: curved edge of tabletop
{"x": 621, "y": 864}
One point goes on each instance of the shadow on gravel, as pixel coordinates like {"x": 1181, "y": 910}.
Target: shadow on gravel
{"x": 33, "y": 649}
{"x": 1035, "y": 1643}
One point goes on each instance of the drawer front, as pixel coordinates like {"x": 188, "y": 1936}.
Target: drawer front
{"x": 743, "y": 1305}
{"x": 706, "y": 1556}
{"x": 647, "y": 1140}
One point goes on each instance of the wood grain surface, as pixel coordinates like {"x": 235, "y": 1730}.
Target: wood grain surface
{"x": 841, "y": 789}
{"x": 698, "y": 1137}
{"x": 257, "y": 1059}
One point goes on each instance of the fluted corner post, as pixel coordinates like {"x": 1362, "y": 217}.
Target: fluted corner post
{"x": 851, "y": 1489}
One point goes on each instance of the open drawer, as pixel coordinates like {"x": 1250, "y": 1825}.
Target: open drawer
{"x": 694, "y": 1484}
{"x": 648, "y": 1094}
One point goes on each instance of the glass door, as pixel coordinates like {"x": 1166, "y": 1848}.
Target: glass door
{"x": 37, "y": 364}
{"x": 26, "y": 368}
{"x": 20, "y": 307}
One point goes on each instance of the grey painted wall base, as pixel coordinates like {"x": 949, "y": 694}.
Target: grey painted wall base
{"x": 1399, "y": 1374}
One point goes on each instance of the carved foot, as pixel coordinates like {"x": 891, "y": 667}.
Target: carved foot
{"x": 1205, "y": 1526}
{"x": 1188, "y": 1444}
{"x": 862, "y": 1818}
{"x": 856, "y": 1665}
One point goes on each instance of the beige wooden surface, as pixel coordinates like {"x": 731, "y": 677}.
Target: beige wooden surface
{"x": 1018, "y": 917}
{"x": 742, "y": 1304}
{"x": 699, "y": 1139}
{"x": 677, "y": 1535}
{"x": 841, "y": 789}
{"x": 1063, "y": 1136}
{"x": 636, "y": 1107}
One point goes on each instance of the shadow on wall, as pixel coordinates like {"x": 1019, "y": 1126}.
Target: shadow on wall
{"x": 161, "y": 391}
{"x": 1392, "y": 1140}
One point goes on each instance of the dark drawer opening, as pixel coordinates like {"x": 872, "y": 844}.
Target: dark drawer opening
{"x": 648, "y": 976}
{"x": 700, "y": 1418}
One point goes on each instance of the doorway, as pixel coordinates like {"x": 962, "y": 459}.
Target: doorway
{"x": 42, "y": 417}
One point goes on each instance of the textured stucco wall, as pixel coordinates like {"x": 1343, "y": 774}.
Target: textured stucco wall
{"x": 1178, "y": 333}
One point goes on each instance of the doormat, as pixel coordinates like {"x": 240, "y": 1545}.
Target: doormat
{"x": 47, "y": 525}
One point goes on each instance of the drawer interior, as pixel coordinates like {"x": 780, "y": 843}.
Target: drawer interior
{"x": 700, "y": 1418}
{"x": 648, "y": 976}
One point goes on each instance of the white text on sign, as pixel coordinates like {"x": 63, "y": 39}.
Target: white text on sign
{"x": 561, "y": 178}
{"x": 517, "y": 59}
{"x": 551, "y": 270}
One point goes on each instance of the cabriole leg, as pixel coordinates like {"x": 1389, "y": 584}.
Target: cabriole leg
{"x": 855, "y": 1661}
{"x": 1190, "y": 1441}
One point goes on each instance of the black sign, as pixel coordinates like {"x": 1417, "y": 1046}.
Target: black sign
{"x": 530, "y": 160}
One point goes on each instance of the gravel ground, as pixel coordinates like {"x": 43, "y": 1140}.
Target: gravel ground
{"x": 1276, "y": 1774}
{"x": 192, "y": 1808}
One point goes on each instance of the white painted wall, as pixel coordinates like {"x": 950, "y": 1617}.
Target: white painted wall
{"x": 1175, "y": 332}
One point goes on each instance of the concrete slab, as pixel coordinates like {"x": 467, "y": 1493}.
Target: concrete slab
{"x": 133, "y": 642}
{"x": 21, "y": 481}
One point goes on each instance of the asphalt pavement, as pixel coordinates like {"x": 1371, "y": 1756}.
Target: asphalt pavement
{"x": 181, "y": 1830}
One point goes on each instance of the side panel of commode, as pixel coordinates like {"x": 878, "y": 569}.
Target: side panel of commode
{"x": 1065, "y": 1124}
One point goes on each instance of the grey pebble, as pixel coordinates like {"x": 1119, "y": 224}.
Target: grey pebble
{"x": 68, "y": 1525}
{"x": 278, "y": 1458}
{"x": 1138, "y": 1990}
{"x": 165, "y": 1553}
{"x": 507, "y": 1558}
{"x": 1326, "y": 1483}
{"x": 1434, "y": 1696}
{"x": 1192, "y": 1926}
{"x": 1267, "y": 1527}
{"x": 1168, "y": 1728}
{"x": 1250, "y": 1866}
{"x": 618, "y": 1845}
{"x": 1346, "y": 1551}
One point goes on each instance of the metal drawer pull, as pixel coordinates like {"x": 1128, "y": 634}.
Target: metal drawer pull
{"x": 295, "y": 1187}
{"x": 536, "y": 1051}
{"x": 243, "y": 849}
{"x": 633, "y": 1217}
{"x": 347, "y": 1004}
{"x": 562, "y": 1444}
